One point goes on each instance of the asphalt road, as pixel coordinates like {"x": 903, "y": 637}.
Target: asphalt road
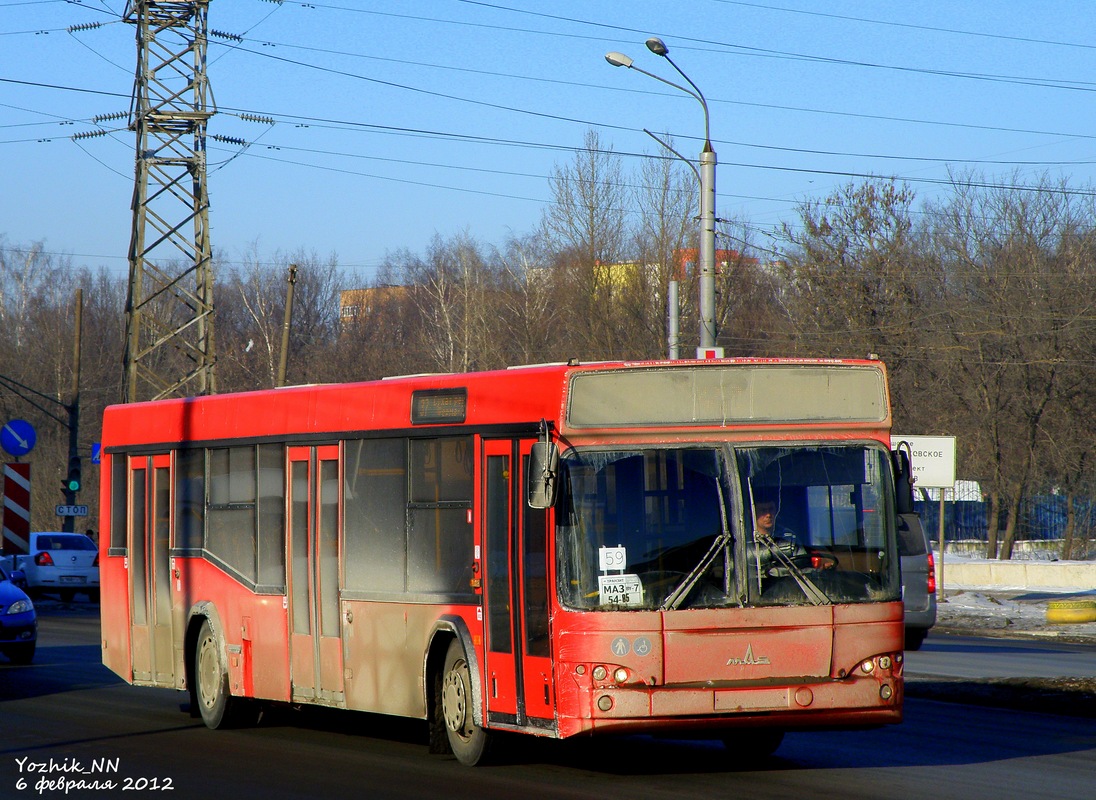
{"x": 69, "y": 709}
{"x": 945, "y": 656}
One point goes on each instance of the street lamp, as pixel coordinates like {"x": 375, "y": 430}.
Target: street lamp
{"x": 707, "y": 190}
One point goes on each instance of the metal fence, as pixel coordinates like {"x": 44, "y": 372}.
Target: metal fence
{"x": 1042, "y": 523}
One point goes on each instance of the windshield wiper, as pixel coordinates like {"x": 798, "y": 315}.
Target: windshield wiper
{"x": 815, "y": 595}
{"x": 678, "y": 595}
{"x": 675, "y": 598}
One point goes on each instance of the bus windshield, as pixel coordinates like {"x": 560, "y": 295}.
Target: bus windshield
{"x": 715, "y": 526}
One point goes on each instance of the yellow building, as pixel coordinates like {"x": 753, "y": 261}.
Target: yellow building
{"x": 355, "y": 303}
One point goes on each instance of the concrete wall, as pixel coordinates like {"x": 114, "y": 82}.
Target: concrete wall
{"x": 971, "y": 573}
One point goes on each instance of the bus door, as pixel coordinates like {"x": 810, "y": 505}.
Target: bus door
{"x": 519, "y": 688}
{"x": 315, "y": 635}
{"x": 149, "y": 553}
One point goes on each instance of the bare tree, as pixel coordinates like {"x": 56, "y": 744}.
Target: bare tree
{"x": 455, "y": 290}
{"x": 666, "y": 199}
{"x": 383, "y": 336}
{"x": 859, "y": 281}
{"x": 250, "y": 316}
{"x": 37, "y": 308}
{"x": 1018, "y": 262}
{"x": 25, "y": 273}
{"x": 585, "y": 228}
{"x": 531, "y": 319}
{"x": 752, "y": 318}
{"x": 250, "y": 313}
{"x": 848, "y": 269}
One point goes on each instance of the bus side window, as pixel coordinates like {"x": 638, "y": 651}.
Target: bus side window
{"x": 190, "y": 500}
{"x": 375, "y": 515}
{"x": 119, "y": 504}
{"x": 439, "y": 534}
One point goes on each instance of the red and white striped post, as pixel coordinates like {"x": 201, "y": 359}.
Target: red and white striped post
{"x": 16, "y": 508}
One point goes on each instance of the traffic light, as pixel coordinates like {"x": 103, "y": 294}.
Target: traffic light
{"x": 72, "y": 484}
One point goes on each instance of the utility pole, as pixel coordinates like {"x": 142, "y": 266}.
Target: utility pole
{"x": 706, "y": 176}
{"x": 673, "y": 321}
{"x": 287, "y": 324}
{"x": 169, "y": 308}
{"x": 73, "y": 480}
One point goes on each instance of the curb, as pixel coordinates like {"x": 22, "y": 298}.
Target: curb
{"x": 1069, "y": 633}
{"x": 1071, "y": 697}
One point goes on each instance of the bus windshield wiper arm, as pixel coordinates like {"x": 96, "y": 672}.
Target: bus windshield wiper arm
{"x": 678, "y": 595}
{"x": 675, "y": 598}
{"x": 813, "y": 593}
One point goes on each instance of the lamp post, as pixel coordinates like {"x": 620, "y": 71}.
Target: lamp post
{"x": 707, "y": 190}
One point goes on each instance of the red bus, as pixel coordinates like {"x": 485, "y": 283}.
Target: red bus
{"x": 695, "y": 548}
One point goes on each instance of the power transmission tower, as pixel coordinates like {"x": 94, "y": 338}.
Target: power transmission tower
{"x": 169, "y": 308}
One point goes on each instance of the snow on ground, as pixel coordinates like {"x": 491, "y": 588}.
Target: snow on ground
{"x": 1019, "y": 609}
{"x": 1010, "y": 610}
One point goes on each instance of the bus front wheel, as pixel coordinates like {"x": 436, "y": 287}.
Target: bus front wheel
{"x": 215, "y": 702}
{"x": 747, "y": 746}
{"x": 467, "y": 739}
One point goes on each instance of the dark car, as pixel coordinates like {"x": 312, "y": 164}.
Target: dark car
{"x": 18, "y": 621}
{"x": 918, "y": 579}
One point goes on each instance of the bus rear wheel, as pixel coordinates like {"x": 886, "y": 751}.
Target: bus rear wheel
{"x": 469, "y": 742}
{"x": 217, "y": 706}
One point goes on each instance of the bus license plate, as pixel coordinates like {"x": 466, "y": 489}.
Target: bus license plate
{"x": 620, "y": 590}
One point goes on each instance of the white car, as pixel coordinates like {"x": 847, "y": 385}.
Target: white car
{"x": 65, "y": 563}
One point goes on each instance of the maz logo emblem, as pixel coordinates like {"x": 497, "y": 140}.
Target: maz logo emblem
{"x": 748, "y": 660}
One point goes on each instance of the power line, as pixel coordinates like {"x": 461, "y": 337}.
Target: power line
{"x": 1023, "y": 80}
{"x": 452, "y": 136}
{"x": 354, "y": 125}
{"x": 910, "y": 26}
{"x": 1058, "y": 83}
{"x": 591, "y": 123}
{"x": 982, "y": 184}
{"x": 656, "y": 93}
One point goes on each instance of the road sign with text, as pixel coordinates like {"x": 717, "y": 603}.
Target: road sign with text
{"x": 932, "y": 458}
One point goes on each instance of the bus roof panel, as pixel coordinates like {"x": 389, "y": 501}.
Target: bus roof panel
{"x": 603, "y": 395}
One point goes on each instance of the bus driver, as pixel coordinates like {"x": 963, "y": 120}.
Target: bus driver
{"x": 774, "y": 552}
{"x": 764, "y": 519}
{"x": 765, "y": 514}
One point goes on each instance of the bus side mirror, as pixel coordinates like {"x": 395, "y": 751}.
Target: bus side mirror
{"x": 903, "y": 481}
{"x": 543, "y": 470}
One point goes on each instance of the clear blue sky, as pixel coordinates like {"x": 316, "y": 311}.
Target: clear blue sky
{"x": 396, "y": 121}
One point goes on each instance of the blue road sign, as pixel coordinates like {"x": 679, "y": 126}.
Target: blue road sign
{"x": 17, "y": 437}
{"x": 96, "y": 451}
